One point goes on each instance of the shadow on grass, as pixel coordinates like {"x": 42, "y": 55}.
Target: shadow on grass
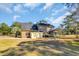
{"x": 43, "y": 48}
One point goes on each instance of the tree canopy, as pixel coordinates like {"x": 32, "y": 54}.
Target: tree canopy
{"x": 4, "y": 29}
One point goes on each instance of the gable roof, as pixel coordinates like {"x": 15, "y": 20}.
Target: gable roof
{"x": 26, "y": 26}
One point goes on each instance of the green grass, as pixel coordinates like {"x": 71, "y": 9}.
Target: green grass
{"x": 73, "y": 43}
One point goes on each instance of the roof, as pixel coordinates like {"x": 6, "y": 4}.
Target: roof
{"x": 53, "y": 30}
{"x": 45, "y": 24}
{"x": 29, "y": 26}
{"x": 26, "y": 26}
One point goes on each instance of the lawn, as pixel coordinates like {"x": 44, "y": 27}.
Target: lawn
{"x": 7, "y": 43}
{"x": 38, "y": 48}
{"x": 73, "y": 43}
{"x": 68, "y": 36}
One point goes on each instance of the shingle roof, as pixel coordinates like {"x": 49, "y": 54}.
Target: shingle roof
{"x": 29, "y": 26}
{"x": 45, "y": 24}
{"x": 26, "y": 26}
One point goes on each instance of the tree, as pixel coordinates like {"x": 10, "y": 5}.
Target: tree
{"x": 69, "y": 24}
{"x": 69, "y": 5}
{"x": 16, "y": 28}
{"x": 42, "y": 21}
{"x": 30, "y": 22}
{"x": 5, "y": 29}
{"x": 61, "y": 29}
{"x": 16, "y": 24}
{"x": 75, "y": 16}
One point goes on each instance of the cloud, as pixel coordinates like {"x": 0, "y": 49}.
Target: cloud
{"x": 6, "y": 8}
{"x": 60, "y": 19}
{"x": 31, "y": 5}
{"x": 15, "y": 17}
{"x": 21, "y": 8}
{"x": 47, "y": 5}
{"x": 49, "y": 19}
{"x": 18, "y": 8}
{"x": 64, "y": 10}
{"x": 55, "y": 12}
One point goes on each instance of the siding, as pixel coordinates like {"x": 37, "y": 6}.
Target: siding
{"x": 36, "y": 35}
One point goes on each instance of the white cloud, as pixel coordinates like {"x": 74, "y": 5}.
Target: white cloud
{"x": 55, "y": 12}
{"x": 47, "y": 5}
{"x": 6, "y": 8}
{"x": 49, "y": 19}
{"x": 63, "y": 9}
{"x": 18, "y": 8}
{"x": 21, "y": 8}
{"x": 31, "y": 5}
{"x": 15, "y": 17}
{"x": 60, "y": 19}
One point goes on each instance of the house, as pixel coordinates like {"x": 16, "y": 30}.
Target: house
{"x": 35, "y": 34}
{"x": 29, "y": 30}
{"x": 42, "y": 27}
{"x": 25, "y": 30}
{"x": 53, "y": 32}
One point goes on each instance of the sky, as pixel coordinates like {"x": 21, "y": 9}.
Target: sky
{"x": 53, "y": 13}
